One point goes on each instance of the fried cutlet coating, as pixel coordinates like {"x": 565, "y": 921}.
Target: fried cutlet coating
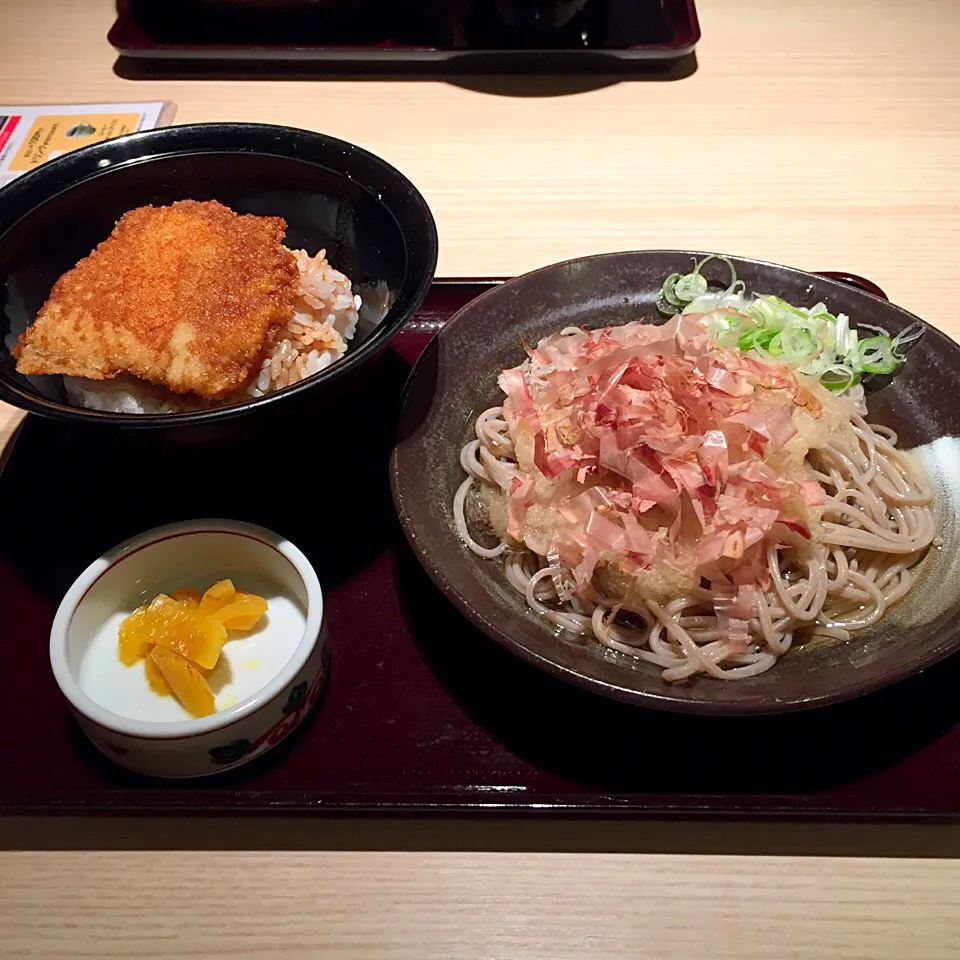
{"x": 183, "y": 296}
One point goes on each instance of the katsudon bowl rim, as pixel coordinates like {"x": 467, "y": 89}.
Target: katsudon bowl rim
{"x": 79, "y": 590}
{"x": 64, "y": 173}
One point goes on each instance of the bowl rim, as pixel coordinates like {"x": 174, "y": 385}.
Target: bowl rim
{"x": 102, "y": 159}
{"x": 87, "y": 707}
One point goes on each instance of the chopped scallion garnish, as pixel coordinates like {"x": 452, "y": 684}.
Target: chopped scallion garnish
{"x": 810, "y": 340}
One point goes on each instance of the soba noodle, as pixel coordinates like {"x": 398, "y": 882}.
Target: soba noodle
{"x": 874, "y": 528}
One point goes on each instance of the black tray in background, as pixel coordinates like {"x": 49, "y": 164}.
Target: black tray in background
{"x": 462, "y": 33}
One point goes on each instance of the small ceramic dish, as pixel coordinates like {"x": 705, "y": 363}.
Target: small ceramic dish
{"x": 264, "y": 685}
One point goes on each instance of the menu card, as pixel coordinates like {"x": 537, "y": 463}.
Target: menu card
{"x": 31, "y": 135}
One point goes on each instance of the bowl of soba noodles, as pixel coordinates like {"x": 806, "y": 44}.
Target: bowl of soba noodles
{"x": 693, "y": 482}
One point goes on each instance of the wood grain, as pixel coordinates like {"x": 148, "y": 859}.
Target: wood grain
{"x": 818, "y": 133}
{"x": 458, "y": 906}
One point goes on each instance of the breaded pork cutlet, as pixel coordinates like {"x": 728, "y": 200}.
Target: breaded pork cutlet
{"x": 183, "y": 296}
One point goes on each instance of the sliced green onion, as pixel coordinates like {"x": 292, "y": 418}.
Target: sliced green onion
{"x": 809, "y": 340}
{"x": 839, "y": 378}
{"x": 874, "y": 329}
{"x": 714, "y": 256}
{"x": 758, "y": 337}
{"x": 690, "y": 287}
{"x": 798, "y": 345}
{"x": 665, "y": 308}
{"x": 907, "y": 338}
{"x": 678, "y": 291}
{"x": 774, "y": 306}
{"x": 876, "y": 355}
{"x": 669, "y": 290}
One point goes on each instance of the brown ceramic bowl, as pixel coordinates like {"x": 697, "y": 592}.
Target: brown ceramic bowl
{"x": 456, "y": 379}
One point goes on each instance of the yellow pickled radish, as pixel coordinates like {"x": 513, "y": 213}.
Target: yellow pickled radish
{"x": 133, "y": 646}
{"x": 243, "y": 613}
{"x": 219, "y": 595}
{"x": 187, "y": 597}
{"x": 180, "y": 638}
{"x": 155, "y": 677}
{"x": 189, "y": 686}
{"x": 191, "y": 634}
{"x": 169, "y": 624}
{"x": 135, "y": 636}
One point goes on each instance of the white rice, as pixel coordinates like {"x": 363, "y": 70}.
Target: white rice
{"x": 324, "y": 321}
{"x": 126, "y": 394}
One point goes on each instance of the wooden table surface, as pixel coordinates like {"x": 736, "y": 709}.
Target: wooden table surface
{"x": 820, "y": 133}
